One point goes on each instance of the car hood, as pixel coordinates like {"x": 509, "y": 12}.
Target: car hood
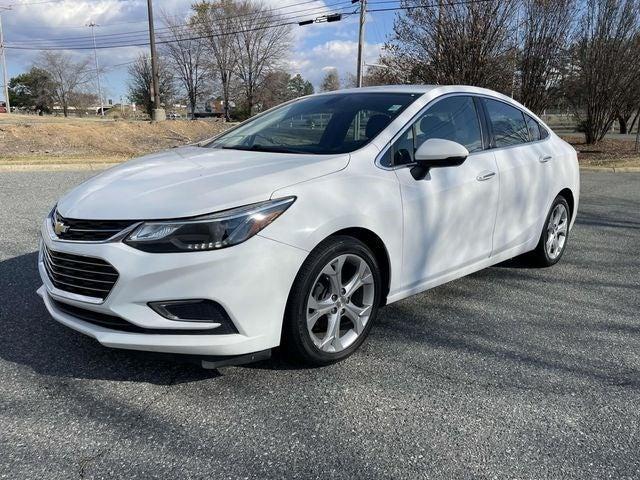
{"x": 191, "y": 181}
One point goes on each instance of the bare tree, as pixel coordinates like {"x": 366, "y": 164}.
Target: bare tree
{"x": 83, "y": 101}
{"x": 140, "y": 82}
{"x": 546, "y": 29}
{"x": 66, "y": 74}
{"x": 331, "y": 81}
{"x": 274, "y": 91}
{"x": 261, "y": 44}
{"x": 629, "y": 109}
{"x": 455, "y": 42}
{"x": 605, "y": 63}
{"x": 389, "y": 69}
{"x": 211, "y": 21}
{"x": 187, "y": 55}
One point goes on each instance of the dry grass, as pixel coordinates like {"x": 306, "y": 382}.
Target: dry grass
{"x": 610, "y": 152}
{"x": 32, "y": 140}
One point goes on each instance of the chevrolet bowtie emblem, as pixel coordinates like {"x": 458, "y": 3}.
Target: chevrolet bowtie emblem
{"x": 60, "y": 227}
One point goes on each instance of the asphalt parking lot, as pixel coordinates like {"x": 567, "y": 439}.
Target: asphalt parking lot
{"x": 509, "y": 373}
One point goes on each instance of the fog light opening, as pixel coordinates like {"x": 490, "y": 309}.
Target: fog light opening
{"x": 195, "y": 310}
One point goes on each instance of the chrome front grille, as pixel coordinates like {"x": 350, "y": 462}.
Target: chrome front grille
{"x": 88, "y": 276}
{"x": 87, "y": 230}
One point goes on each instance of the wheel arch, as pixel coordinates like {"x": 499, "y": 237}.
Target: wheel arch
{"x": 379, "y": 249}
{"x": 568, "y": 196}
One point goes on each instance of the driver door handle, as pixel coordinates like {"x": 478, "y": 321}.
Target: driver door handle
{"x": 486, "y": 175}
{"x": 545, "y": 158}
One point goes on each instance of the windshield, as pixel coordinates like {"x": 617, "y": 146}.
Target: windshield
{"x": 324, "y": 124}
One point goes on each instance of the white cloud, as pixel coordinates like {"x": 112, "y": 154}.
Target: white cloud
{"x": 339, "y": 54}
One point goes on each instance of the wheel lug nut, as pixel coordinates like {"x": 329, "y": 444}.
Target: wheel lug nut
{"x": 334, "y": 297}
{"x": 343, "y": 291}
{"x": 334, "y": 310}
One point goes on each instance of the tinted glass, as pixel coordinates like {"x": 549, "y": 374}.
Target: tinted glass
{"x": 404, "y": 148}
{"x": 507, "y": 122}
{"x": 326, "y": 124}
{"x": 544, "y": 133}
{"x": 534, "y": 129}
{"x": 453, "y": 118}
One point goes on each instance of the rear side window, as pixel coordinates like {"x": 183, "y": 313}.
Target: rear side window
{"x": 508, "y": 124}
{"x": 534, "y": 129}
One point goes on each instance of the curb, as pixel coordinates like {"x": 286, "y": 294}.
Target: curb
{"x": 57, "y": 167}
{"x": 610, "y": 169}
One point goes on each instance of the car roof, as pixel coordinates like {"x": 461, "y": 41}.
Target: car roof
{"x": 419, "y": 89}
{"x": 424, "y": 89}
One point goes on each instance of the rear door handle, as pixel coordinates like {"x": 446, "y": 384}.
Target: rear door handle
{"x": 545, "y": 158}
{"x": 486, "y": 175}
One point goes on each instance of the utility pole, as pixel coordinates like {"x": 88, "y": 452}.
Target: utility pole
{"x": 158, "y": 114}
{"x": 5, "y": 76}
{"x": 95, "y": 56}
{"x": 516, "y": 53}
{"x": 363, "y": 16}
{"x": 439, "y": 41}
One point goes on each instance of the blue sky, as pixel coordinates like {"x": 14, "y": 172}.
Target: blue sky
{"x": 316, "y": 48}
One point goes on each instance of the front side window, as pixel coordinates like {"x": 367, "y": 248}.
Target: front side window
{"x": 508, "y": 124}
{"x": 324, "y": 124}
{"x": 452, "y": 118}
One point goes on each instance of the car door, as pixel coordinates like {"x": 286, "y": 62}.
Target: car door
{"x": 449, "y": 215}
{"x": 523, "y": 165}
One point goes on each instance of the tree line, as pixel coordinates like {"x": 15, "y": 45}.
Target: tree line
{"x": 581, "y": 56}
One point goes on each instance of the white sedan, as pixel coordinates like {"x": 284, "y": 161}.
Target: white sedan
{"x": 296, "y": 226}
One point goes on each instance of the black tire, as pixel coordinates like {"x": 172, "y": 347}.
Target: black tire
{"x": 297, "y": 344}
{"x": 540, "y": 257}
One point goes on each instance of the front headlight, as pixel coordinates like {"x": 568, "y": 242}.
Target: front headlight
{"x": 208, "y": 232}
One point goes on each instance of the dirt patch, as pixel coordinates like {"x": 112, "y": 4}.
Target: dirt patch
{"x": 78, "y": 141}
{"x": 610, "y": 152}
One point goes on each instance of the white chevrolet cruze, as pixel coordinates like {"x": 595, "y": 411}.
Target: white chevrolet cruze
{"x": 296, "y": 226}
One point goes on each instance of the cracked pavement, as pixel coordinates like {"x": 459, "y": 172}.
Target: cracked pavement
{"x": 508, "y": 373}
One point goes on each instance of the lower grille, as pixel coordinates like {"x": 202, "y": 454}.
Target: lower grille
{"x": 78, "y": 274}
{"x": 116, "y": 323}
{"x": 88, "y": 230}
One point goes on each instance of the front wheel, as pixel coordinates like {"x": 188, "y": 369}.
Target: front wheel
{"x": 333, "y": 302}
{"x": 553, "y": 239}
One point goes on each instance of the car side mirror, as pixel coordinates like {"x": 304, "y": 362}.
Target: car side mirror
{"x": 435, "y": 153}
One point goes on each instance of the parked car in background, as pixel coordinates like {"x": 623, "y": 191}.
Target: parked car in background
{"x": 297, "y": 226}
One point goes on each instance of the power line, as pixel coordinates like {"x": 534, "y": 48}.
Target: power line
{"x": 135, "y": 43}
{"x": 315, "y": 10}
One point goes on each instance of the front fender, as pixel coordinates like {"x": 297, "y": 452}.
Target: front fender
{"x": 338, "y": 201}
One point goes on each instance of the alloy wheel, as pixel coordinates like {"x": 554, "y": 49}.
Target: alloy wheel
{"x": 340, "y": 303}
{"x": 557, "y": 229}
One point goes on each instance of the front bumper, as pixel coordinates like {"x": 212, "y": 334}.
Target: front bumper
{"x": 251, "y": 281}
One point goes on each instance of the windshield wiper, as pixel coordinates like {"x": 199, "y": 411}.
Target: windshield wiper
{"x": 263, "y": 148}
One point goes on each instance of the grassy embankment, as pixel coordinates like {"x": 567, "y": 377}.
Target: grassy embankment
{"x": 30, "y": 141}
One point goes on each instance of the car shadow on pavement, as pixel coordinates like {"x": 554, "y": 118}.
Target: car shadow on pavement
{"x": 30, "y": 337}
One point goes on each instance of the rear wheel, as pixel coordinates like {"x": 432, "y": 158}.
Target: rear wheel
{"x": 333, "y": 303}
{"x": 554, "y": 236}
